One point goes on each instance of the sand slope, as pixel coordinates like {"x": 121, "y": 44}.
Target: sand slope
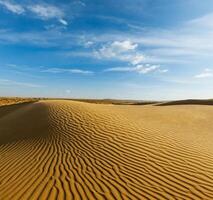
{"x": 15, "y": 100}
{"x": 74, "y": 150}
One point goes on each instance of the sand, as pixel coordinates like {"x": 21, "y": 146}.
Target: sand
{"x": 15, "y": 100}
{"x": 75, "y": 150}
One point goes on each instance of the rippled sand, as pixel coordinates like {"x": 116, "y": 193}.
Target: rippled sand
{"x": 74, "y": 150}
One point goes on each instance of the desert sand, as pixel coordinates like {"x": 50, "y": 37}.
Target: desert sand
{"x": 58, "y": 149}
{"x": 4, "y": 101}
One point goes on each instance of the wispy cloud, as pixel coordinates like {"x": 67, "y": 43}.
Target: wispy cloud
{"x": 47, "y": 38}
{"x": 193, "y": 39}
{"x": 156, "y": 46}
{"x": 81, "y": 3}
{"x": 46, "y": 12}
{"x": 12, "y": 7}
{"x": 208, "y": 73}
{"x": 141, "y": 69}
{"x": 186, "y": 43}
{"x": 64, "y": 22}
{"x": 42, "y": 11}
{"x": 63, "y": 70}
{"x": 203, "y": 21}
{"x": 16, "y": 83}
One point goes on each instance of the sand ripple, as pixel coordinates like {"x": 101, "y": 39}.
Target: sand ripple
{"x": 74, "y": 150}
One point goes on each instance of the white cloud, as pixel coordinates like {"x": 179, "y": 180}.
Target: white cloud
{"x": 42, "y": 11}
{"x": 64, "y": 22}
{"x": 193, "y": 39}
{"x": 141, "y": 69}
{"x": 123, "y": 46}
{"x": 208, "y": 73}
{"x": 134, "y": 59}
{"x": 12, "y": 7}
{"x": 146, "y": 69}
{"x": 63, "y": 70}
{"x": 204, "y": 75}
{"x": 46, "y": 11}
{"x": 188, "y": 43}
{"x": 120, "y": 50}
{"x": 115, "y": 49}
{"x": 119, "y": 69}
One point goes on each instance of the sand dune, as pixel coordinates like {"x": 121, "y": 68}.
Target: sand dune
{"x": 74, "y": 150}
{"x": 188, "y": 102}
{"x": 15, "y": 100}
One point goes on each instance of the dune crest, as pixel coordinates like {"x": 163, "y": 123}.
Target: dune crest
{"x": 74, "y": 150}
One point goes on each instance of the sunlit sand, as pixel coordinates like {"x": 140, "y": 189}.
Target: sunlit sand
{"x": 60, "y": 149}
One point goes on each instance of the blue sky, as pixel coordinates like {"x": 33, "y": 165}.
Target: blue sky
{"x": 125, "y": 49}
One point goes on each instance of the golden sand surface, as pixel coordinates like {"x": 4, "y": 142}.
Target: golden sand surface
{"x": 4, "y": 101}
{"x": 58, "y": 149}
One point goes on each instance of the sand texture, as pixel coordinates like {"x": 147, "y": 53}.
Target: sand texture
{"x": 74, "y": 150}
{"x": 4, "y": 101}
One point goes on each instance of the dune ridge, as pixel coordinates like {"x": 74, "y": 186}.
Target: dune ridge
{"x": 74, "y": 150}
{"x": 187, "y": 102}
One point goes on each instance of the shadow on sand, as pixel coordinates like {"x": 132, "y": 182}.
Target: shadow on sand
{"x": 23, "y": 121}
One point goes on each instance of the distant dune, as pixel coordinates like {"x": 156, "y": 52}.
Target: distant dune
{"x": 60, "y": 149}
{"x": 15, "y": 100}
{"x": 188, "y": 102}
{"x": 116, "y": 101}
{"x": 141, "y": 102}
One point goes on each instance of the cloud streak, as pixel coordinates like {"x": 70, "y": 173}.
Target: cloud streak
{"x": 47, "y": 12}
{"x": 8, "y": 82}
{"x": 63, "y": 70}
{"x": 12, "y": 7}
{"x": 41, "y": 11}
{"x": 208, "y": 73}
{"x": 140, "y": 69}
